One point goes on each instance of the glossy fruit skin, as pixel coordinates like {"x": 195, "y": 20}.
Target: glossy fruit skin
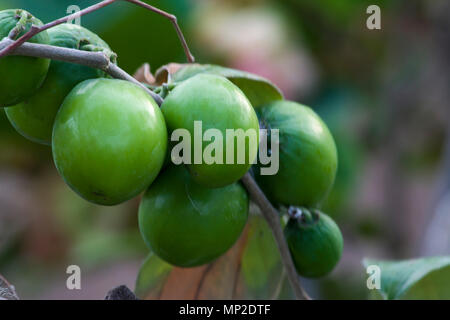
{"x": 21, "y": 76}
{"x": 307, "y": 155}
{"x": 34, "y": 117}
{"x": 109, "y": 140}
{"x": 221, "y": 105}
{"x": 316, "y": 247}
{"x": 187, "y": 224}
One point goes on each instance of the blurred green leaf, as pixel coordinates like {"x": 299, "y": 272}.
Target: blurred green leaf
{"x": 5, "y": 5}
{"x": 261, "y": 264}
{"x": 334, "y": 11}
{"x": 424, "y": 278}
{"x": 96, "y": 247}
{"x": 152, "y": 276}
{"x": 257, "y": 89}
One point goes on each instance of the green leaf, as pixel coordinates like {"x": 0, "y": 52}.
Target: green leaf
{"x": 152, "y": 276}
{"x": 424, "y": 278}
{"x": 261, "y": 268}
{"x": 257, "y": 89}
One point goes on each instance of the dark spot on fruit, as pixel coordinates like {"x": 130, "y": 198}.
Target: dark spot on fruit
{"x": 99, "y": 194}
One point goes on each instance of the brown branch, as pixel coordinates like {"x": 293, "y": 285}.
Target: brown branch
{"x": 273, "y": 219}
{"x": 96, "y": 60}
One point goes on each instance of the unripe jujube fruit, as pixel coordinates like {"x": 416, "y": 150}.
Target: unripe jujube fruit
{"x": 218, "y": 104}
{"x": 187, "y": 224}
{"x": 20, "y": 76}
{"x": 307, "y": 155}
{"x": 315, "y": 243}
{"x": 109, "y": 140}
{"x": 34, "y": 117}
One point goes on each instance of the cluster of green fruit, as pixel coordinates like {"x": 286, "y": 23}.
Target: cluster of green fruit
{"x": 110, "y": 142}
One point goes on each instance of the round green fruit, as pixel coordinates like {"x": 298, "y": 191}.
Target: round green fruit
{"x": 20, "y": 76}
{"x": 109, "y": 140}
{"x": 307, "y": 155}
{"x": 315, "y": 242}
{"x": 34, "y": 117}
{"x": 187, "y": 224}
{"x": 214, "y": 102}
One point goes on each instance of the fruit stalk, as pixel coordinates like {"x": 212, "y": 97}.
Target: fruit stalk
{"x": 87, "y": 58}
{"x": 273, "y": 219}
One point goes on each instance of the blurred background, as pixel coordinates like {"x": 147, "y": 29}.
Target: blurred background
{"x": 383, "y": 93}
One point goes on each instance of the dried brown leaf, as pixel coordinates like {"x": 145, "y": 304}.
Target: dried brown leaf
{"x": 226, "y": 277}
{"x": 144, "y": 74}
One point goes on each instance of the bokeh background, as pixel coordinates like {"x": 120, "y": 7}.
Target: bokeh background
{"x": 383, "y": 93}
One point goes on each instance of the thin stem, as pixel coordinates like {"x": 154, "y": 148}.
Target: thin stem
{"x": 273, "y": 219}
{"x": 174, "y": 21}
{"x": 91, "y": 59}
{"x": 34, "y": 30}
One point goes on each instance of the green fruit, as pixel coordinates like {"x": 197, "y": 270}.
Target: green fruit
{"x": 34, "y": 117}
{"x": 315, "y": 242}
{"x": 109, "y": 140}
{"x": 218, "y": 104}
{"x": 307, "y": 155}
{"x": 187, "y": 224}
{"x": 20, "y": 76}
